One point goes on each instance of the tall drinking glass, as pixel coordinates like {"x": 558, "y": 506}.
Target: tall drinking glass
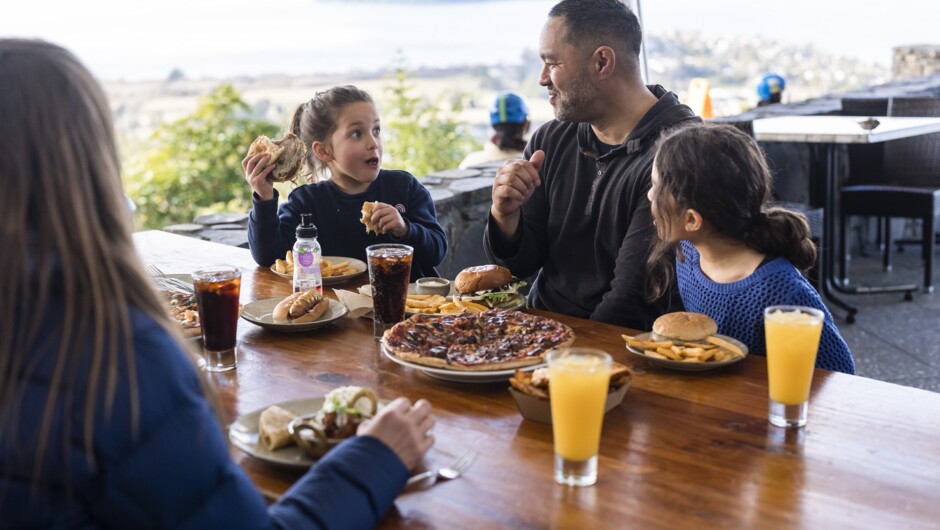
{"x": 579, "y": 380}
{"x": 217, "y": 291}
{"x": 792, "y": 342}
{"x": 389, "y": 272}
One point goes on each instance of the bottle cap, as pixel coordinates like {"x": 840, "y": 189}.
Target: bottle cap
{"x": 306, "y": 229}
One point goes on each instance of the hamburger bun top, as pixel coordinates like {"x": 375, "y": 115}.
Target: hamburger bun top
{"x": 683, "y": 326}
{"x": 481, "y": 278}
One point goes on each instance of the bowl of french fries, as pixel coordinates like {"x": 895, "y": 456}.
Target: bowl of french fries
{"x": 333, "y": 269}
{"x": 713, "y": 351}
{"x": 530, "y": 391}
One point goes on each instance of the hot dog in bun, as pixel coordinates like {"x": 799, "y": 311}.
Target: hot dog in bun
{"x": 490, "y": 285}
{"x": 300, "y": 307}
{"x": 683, "y": 326}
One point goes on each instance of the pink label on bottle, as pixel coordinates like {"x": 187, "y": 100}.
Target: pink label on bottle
{"x": 306, "y": 259}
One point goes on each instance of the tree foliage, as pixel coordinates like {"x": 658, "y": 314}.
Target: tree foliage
{"x": 423, "y": 136}
{"x": 192, "y": 166}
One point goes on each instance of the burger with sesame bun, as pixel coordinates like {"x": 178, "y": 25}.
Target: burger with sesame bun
{"x": 490, "y": 285}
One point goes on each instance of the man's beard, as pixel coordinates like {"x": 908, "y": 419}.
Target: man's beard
{"x": 574, "y": 102}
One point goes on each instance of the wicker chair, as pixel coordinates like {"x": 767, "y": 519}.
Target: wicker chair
{"x": 908, "y": 186}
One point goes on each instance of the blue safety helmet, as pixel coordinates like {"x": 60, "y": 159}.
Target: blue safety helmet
{"x": 769, "y": 85}
{"x": 509, "y": 107}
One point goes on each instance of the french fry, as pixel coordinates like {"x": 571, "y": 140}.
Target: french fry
{"x": 280, "y": 266}
{"x": 289, "y": 257}
{"x": 470, "y": 307}
{"x": 646, "y": 344}
{"x": 722, "y": 343}
{"x": 668, "y": 353}
{"x": 651, "y": 353}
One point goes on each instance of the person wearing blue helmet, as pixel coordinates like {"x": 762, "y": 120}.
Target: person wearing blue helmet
{"x": 509, "y": 117}
{"x": 770, "y": 89}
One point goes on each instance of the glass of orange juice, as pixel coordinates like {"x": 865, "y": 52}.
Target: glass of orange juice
{"x": 579, "y": 378}
{"x": 792, "y": 335}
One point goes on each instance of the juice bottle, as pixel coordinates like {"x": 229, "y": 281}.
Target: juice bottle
{"x": 307, "y": 257}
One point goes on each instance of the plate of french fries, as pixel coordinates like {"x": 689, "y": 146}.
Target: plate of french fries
{"x": 435, "y": 304}
{"x": 333, "y": 269}
{"x": 712, "y": 352}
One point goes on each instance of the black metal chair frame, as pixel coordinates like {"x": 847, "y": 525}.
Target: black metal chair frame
{"x": 886, "y": 188}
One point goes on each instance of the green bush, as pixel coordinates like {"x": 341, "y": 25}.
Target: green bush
{"x": 422, "y": 138}
{"x": 192, "y": 166}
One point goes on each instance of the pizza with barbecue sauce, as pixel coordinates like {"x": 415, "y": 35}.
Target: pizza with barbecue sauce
{"x": 497, "y": 339}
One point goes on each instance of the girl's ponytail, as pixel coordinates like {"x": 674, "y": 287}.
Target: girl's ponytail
{"x": 784, "y": 233}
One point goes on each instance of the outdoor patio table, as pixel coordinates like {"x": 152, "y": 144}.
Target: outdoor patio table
{"x": 826, "y": 132}
{"x": 683, "y": 450}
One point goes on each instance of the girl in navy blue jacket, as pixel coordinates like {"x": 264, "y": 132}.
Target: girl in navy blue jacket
{"x": 343, "y": 137}
{"x": 105, "y": 421}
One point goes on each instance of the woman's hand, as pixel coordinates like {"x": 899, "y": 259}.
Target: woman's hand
{"x": 386, "y": 218}
{"x": 404, "y": 428}
{"x": 257, "y": 170}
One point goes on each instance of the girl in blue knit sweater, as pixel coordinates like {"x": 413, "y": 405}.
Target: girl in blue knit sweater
{"x": 735, "y": 255}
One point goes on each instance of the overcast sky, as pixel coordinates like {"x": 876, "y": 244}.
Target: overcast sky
{"x": 139, "y": 40}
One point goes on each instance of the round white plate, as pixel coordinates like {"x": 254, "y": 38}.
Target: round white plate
{"x": 461, "y": 376}
{"x": 244, "y": 435}
{"x": 359, "y": 265}
{"x": 260, "y": 313}
{"x": 690, "y": 366}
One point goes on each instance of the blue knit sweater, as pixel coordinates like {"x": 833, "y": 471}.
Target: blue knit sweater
{"x": 738, "y": 307}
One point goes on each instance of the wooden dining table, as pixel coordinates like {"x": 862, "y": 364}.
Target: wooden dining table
{"x": 683, "y": 450}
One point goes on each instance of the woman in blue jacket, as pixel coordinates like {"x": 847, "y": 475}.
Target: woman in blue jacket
{"x": 105, "y": 422}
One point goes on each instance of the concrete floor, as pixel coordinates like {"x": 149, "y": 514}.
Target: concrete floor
{"x": 894, "y": 340}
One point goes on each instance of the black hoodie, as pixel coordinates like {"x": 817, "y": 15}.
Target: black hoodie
{"x": 589, "y": 226}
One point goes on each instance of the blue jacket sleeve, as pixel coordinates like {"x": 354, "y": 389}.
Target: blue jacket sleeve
{"x": 177, "y": 472}
{"x": 352, "y": 487}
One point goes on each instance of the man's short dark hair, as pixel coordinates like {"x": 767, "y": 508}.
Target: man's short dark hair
{"x": 594, "y": 23}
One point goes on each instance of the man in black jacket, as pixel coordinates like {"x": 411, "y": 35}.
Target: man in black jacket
{"x": 576, "y": 210}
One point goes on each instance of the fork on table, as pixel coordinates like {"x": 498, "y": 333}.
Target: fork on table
{"x": 167, "y": 282}
{"x": 446, "y": 473}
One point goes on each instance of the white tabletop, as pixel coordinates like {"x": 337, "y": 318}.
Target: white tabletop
{"x": 840, "y": 129}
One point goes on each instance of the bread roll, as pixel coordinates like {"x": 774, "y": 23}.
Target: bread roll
{"x": 367, "y": 208}
{"x": 272, "y": 427}
{"x": 481, "y": 278}
{"x": 683, "y": 326}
